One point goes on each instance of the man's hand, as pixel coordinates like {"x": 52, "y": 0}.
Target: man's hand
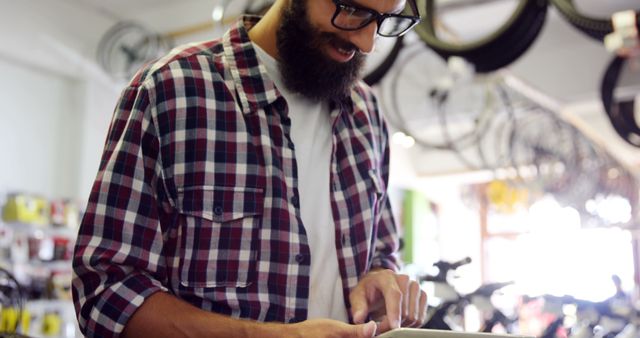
{"x": 393, "y": 300}
{"x": 164, "y": 315}
{"x": 327, "y": 328}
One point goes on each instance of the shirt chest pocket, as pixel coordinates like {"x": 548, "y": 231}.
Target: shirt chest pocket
{"x": 220, "y": 232}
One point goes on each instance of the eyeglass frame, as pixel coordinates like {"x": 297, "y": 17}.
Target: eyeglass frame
{"x": 377, "y": 17}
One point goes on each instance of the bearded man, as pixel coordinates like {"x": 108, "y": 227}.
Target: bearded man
{"x": 242, "y": 188}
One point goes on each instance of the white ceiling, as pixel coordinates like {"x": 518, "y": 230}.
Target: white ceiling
{"x": 559, "y": 47}
{"x": 128, "y": 9}
{"x": 122, "y": 9}
{"x": 562, "y": 63}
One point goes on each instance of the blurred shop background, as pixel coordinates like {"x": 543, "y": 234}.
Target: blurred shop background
{"x": 515, "y": 154}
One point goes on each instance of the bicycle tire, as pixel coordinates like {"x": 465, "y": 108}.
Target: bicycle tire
{"x": 374, "y": 76}
{"x": 620, "y": 113}
{"x": 151, "y": 45}
{"x": 497, "y": 50}
{"x": 467, "y": 144}
{"x": 592, "y": 27}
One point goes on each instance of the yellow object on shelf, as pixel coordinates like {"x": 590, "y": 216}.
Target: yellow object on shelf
{"x": 23, "y": 208}
{"x": 51, "y": 324}
{"x": 504, "y": 197}
{"x": 9, "y": 320}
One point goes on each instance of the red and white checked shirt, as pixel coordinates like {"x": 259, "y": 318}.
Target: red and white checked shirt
{"x": 197, "y": 193}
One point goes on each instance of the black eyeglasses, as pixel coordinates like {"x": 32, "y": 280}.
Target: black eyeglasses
{"x": 351, "y": 17}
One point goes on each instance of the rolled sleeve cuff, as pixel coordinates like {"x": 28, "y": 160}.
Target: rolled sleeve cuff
{"x": 386, "y": 262}
{"x": 118, "y": 303}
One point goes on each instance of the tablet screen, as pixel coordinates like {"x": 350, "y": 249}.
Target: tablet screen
{"x": 427, "y": 333}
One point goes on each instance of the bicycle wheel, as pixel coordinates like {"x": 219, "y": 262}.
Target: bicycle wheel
{"x": 382, "y": 59}
{"x": 520, "y": 24}
{"x": 553, "y": 157}
{"x": 444, "y": 113}
{"x": 126, "y": 46}
{"x": 620, "y": 112}
{"x": 595, "y": 28}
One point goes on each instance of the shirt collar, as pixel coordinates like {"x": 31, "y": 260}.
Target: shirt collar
{"x": 254, "y": 88}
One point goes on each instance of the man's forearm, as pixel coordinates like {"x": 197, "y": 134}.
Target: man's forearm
{"x": 163, "y": 315}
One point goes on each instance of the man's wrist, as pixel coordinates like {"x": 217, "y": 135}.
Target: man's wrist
{"x": 271, "y": 330}
{"x": 380, "y": 268}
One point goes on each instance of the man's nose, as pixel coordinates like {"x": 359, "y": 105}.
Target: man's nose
{"x": 365, "y": 38}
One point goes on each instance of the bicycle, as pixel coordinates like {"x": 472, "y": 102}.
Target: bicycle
{"x": 442, "y": 317}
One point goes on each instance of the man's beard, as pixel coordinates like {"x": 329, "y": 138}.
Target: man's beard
{"x": 305, "y": 68}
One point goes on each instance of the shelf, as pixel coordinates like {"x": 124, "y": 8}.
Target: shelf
{"x": 46, "y": 230}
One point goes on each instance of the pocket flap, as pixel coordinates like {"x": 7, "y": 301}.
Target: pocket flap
{"x": 221, "y": 204}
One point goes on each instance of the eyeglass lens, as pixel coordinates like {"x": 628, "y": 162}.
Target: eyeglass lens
{"x": 352, "y": 18}
{"x": 394, "y": 25}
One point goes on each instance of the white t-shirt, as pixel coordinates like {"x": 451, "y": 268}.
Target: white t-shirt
{"x": 312, "y": 137}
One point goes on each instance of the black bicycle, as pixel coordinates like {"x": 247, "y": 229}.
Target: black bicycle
{"x": 451, "y": 310}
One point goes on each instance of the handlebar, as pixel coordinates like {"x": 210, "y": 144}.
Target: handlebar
{"x": 487, "y": 290}
{"x": 443, "y": 270}
{"x": 452, "y": 266}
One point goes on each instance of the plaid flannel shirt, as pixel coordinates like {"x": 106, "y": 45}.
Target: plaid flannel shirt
{"x": 196, "y": 193}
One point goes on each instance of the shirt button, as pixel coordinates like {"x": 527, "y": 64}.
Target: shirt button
{"x": 217, "y": 210}
{"x": 295, "y": 201}
{"x": 345, "y": 239}
{"x": 300, "y": 258}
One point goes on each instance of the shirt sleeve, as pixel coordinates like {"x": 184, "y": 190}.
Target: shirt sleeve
{"x": 387, "y": 242}
{"x": 117, "y": 262}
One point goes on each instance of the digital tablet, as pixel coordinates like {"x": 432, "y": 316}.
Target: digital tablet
{"x": 427, "y": 333}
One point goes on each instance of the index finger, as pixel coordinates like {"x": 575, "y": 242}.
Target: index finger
{"x": 359, "y": 307}
{"x": 392, "y": 300}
